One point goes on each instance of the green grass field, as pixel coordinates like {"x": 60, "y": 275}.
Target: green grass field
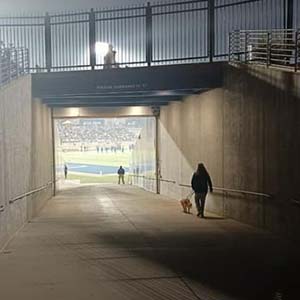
{"x": 85, "y": 178}
{"x": 94, "y": 158}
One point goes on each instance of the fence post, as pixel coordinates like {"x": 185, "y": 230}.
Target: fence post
{"x": 9, "y": 65}
{"x": 27, "y": 61}
{"x": 92, "y": 39}
{"x": 23, "y": 61}
{"x": 246, "y": 46}
{"x": 269, "y": 48}
{"x": 229, "y": 46}
{"x": 48, "y": 46}
{"x": 149, "y": 42}
{"x": 211, "y": 30}
{"x": 290, "y": 14}
{"x": 296, "y": 49}
{"x": 17, "y": 62}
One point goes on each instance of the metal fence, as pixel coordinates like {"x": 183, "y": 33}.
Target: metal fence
{"x": 271, "y": 48}
{"x": 189, "y": 31}
{"x": 296, "y": 14}
{"x": 246, "y": 15}
{"x": 14, "y": 62}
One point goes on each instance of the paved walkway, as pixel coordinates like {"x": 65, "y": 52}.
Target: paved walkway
{"x": 119, "y": 242}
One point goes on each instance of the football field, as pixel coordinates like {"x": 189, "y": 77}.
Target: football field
{"x": 101, "y": 159}
{"x": 93, "y": 167}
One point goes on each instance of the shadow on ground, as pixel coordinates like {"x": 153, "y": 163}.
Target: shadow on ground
{"x": 245, "y": 266}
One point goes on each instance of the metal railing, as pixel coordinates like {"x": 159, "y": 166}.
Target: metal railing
{"x": 189, "y": 31}
{"x": 279, "y": 48}
{"x": 14, "y": 62}
{"x": 226, "y": 190}
{"x": 25, "y": 195}
{"x": 152, "y": 178}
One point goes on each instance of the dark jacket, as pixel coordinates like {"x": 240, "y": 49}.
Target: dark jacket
{"x": 121, "y": 171}
{"x": 200, "y": 183}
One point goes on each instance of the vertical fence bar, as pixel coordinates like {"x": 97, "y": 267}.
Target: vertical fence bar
{"x": 246, "y": 46}
{"x": 17, "y": 61}
{"x": 296, "y": 49}
{"x": 48, "y": 46}
{"x": 290, "y": 14}
{"x": 9, "y": 65}
{"x": 211, "y": 30}
{"x": 27, "y": 59}
{"x": 92, "y": 39}
{"x": 149, "y": 41}
{"x": 269, "y": 48}
{"x": 229, "y": 46}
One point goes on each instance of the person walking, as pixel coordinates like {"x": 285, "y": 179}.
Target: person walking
{"x": 121, "y": 173}
{"x": 200, "y": 183}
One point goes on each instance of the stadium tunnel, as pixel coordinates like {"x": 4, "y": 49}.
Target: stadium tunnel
{"x": 223, "y": 115}
{"x": 129, "y": 92}
{"x": 239, "y": 117}
{"x": 241, "y": 120}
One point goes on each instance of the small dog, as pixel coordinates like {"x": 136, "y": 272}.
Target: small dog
{"x": 186, "y": 205}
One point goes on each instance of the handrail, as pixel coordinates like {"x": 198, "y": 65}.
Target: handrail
{"x": 235, "y": 191}
{"x": 151, "y": 178}
{"x": 167, "y": 180}
{"x": 30, "y": 193}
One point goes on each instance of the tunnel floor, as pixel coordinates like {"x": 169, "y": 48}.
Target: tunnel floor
{"x": 120, "y": 242}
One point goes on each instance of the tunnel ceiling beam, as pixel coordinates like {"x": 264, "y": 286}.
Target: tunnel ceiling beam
{"x": 127, "y": 86}
{"x": 102, "y": 112}
{"x": 86, "y": 104}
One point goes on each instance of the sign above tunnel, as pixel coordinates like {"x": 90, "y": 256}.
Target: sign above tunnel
{"x": 126, "y": 85}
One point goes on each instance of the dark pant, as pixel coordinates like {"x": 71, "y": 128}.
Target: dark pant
{"x": 200, "y": 202}
{"x": 121, "y": 177}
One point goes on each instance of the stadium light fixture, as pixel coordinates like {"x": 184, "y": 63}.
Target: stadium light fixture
{"x": 101, "y": 48}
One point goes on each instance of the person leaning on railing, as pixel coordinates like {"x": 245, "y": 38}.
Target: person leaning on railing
{"x": 110, "y": 58}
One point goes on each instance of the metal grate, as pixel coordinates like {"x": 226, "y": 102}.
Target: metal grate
{"x": 180, "y": 32}
{"x": 245, "y": 15}
{"x": 296, "y": 10}
{"x": 70, "y": 41}
{"x": 14, "y": 62}
{"x": 271, "y": 48}
{"x": 27, "y": 32}
{"x": 190, "y": 31}
{"x": 125, "y": 29}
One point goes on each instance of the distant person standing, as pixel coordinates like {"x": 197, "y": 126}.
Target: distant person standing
{"x": 66, "y": 171}
{"x": 121, "y": 173}
{"x": 200, "y": 183}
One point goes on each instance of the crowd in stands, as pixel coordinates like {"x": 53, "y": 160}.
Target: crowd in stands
{"x": 97, "y": 136}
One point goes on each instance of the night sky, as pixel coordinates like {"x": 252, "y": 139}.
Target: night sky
{"x": 19, "y": 6}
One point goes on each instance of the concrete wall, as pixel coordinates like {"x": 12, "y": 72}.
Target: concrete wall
{"x": 248, "y": 135}
{"x": 143, "y": 161}
{"x": 25, "y": 156}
